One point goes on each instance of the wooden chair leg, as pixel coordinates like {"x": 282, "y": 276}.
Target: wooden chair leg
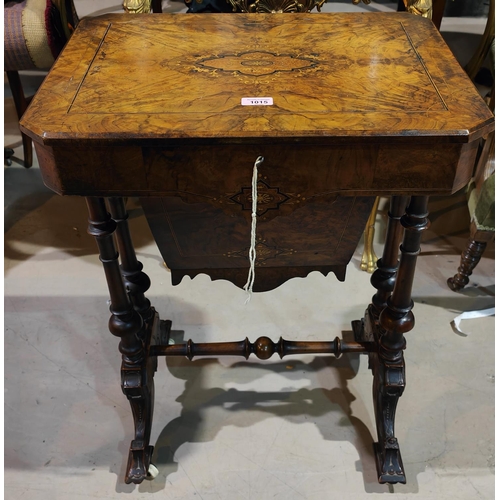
{"x": 8, "y": 153}
{"x": 469, "y": 260}
{"x": 21, "y": 104}
{"x": 27, "y": 151}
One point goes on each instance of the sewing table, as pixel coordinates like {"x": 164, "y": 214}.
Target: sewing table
{"x": 175, "y": 109}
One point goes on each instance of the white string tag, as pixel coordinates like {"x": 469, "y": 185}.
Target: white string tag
{"x": 252, "y": 253}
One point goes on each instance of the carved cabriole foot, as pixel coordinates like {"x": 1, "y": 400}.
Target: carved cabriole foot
{"x": 388, "y": 386}
{"x": 138, "y": 386}
{"x": 136, "y": 335}
{"x": 469, "y": 260}
{"x": 395, "y": 319}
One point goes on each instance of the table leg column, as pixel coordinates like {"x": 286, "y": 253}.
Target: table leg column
{"x": 384, "y": 277}
{"x": 387, "y": 363}
{"x": 136, "y": 281}
{"x": 127, "y": 324}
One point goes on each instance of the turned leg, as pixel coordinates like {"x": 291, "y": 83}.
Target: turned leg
{"x": 21, "y": 104}
{"x": 8, "y": 153}
{"x": 368, "y": 259}
{"x": 469, "y": 260}
{"x": 387, "y": 362}
{"x": 384, "y": 277}
{"x": 135, "y": 337}
{"x": 137, "y": 282}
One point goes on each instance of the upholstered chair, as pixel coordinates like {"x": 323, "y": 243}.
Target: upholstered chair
{"x": 35, "y": 31}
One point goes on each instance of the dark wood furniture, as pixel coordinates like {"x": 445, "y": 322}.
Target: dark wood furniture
{"x": 481, "y": 203}
{"x": 363, "y": 105}
{"x": 33, "y": 42}
{"x": 21, "y": 103}
{"x": 481, "y": 191}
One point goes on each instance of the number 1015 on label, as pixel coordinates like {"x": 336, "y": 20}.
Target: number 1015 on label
{"x": 257, "y": 101}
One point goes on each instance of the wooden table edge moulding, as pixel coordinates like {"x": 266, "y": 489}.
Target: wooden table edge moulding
{"x": 175, "y": 109}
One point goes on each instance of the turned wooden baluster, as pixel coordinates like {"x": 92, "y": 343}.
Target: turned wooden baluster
{"x": 127, "y": 324}
{"x": 136, "y": 281}
{"x": 384, "y": 277}
{"x": 469, "y": 260}
{"x": 394, "y": 321}
{"x": 263, "y": 348}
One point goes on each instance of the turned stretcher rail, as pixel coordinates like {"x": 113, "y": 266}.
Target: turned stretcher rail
{"x": 263, "y": 348}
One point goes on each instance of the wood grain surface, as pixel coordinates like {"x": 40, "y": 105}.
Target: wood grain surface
{"x": 151, "y": 77}
{"x": 199, "y": 237}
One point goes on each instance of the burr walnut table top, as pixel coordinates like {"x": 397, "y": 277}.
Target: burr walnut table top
{"x": 155, "y": 77}
{"x": 152, "y": 105}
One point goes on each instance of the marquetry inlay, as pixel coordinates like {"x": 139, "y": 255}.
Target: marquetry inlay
{"x": 257, "y": 63}
{"x": 263, "y": 252}
{"x": 186, "y": 76}
{"x": 268, "y": 198}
